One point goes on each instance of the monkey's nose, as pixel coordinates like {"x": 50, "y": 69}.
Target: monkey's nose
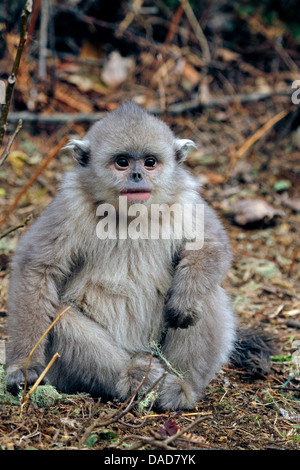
{"x": 136, "y": 177}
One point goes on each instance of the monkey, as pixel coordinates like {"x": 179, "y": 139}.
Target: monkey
{"x": 128, "y": 297}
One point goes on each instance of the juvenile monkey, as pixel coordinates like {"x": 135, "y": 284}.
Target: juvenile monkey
{"x": 126, "y": 294}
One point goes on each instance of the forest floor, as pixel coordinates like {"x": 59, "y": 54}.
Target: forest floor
{"x": 234, "y": 162}
{"x": 263, "y": 283}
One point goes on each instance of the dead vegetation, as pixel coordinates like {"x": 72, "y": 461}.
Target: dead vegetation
{"x": 222, "y": 76}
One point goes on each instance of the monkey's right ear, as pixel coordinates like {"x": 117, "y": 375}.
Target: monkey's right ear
{"x": 81, "y": 150}
{"x": 182, "y": 147}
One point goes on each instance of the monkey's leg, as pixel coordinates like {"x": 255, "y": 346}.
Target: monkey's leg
{"x": 198, "y": 352}
{"x": 92, "y": 361}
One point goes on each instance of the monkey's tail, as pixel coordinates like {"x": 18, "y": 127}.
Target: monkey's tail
{"x": 252, "y": 352}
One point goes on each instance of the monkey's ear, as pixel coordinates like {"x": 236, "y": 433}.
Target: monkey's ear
{"x": 81, "y": 150}
{"x": 182, "y": 147}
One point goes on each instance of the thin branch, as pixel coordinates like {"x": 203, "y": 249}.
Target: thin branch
{"x": 186, "y": 429}
{"x": 165, "y": 443}
{"x": 172, "y": 109}
{"x": 252, "y": 139}
{"x": 130, "y": 402}
{"x": 197, "y": 30}
{"x": 37, "y": 344}
{"x": 17, "y": 227}
{"x": 174, "y": 24}
{"x": 43, "y": 39}
{"x": 225, "y": 100}
{"x": 125, "y": 23}
{"x": 10, "y": 142}
{"x": 12, "y": 78}
{"x": 38, "y": 381}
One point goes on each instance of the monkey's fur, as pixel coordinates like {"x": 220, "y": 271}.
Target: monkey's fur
{"x": 124, "y": 294}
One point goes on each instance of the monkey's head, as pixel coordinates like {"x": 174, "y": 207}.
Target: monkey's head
{"x": 130, "y": 153}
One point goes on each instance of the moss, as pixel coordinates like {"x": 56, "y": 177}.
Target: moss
{"x": 43, "y": 396}
{"x": 5, "y": 396}
{"x": 46, "y": 395}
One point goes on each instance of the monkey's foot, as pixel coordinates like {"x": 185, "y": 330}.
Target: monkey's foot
{"x": 176, "y": 394}
{"x": 15, "y": 376}
{"x": 173, "y": 393}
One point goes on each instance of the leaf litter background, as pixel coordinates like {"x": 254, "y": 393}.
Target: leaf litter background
{"x": 153, "y": 54}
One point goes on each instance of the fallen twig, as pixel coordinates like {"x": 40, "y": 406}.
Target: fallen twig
{"x": 165, "y": 443}
{"x": 224, "y": 100}
{"x": 252, "y": 139}
{"x": 136, "y": 5}
{"x": 174, "y": 24}
{"x": 173, "y": 109}
{"x": 32, "y": 351}
{"x": 28, "y": 116}
{"x": 38, "y": 381}
{"x": 129, "y": 404}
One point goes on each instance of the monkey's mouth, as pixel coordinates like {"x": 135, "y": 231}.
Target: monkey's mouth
{"x": 137, "y": 195}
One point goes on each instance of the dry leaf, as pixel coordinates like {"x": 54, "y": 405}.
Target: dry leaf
{"x": 188, "y": 72}
{"x": 117, "y": 69}
{"x": 252, "y": 211}
{"x": 227, "y": 55}
{"x": 293, "y": 204}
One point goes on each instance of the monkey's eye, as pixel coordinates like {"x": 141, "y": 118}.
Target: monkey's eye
{"x": 150, "y": 162}
{"x": 122, "y": 162}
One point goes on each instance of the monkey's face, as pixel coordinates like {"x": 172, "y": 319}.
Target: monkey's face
{"x": 132, "y": 154}
{"x": 136, "y": 174}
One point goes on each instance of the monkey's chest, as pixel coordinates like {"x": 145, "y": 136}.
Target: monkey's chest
{"x": 125, "y": 292}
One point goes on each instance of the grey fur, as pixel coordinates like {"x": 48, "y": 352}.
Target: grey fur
{"x": 123, "y": 293}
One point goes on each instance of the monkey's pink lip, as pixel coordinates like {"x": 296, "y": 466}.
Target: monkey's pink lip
{"x": 136, "y": 195}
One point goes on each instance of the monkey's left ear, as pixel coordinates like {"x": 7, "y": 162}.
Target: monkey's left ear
{"x": 81, "y": 150}
{"x": 182, "y": 147}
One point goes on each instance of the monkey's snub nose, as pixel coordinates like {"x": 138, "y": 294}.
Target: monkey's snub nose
{"x": 138, "y": 196}
{"x": 136, "y": 177}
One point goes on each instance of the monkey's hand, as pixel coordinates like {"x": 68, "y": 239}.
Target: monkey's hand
{"x": 179, "y": 309}
{"x": 15, "y": 376}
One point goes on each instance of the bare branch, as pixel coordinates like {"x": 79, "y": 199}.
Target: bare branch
{"x": 10, "y": 142}
{"x": 129, "y": 404}
{"x": 197, "y": 30}
{"x": 172, "y": 109}
{"x": 12, "y": 78}
{"x": 43, "y": 39}
{"x": 165, "y": 443}
{"x": 34, "y": 348}
{"x": 17, "y": 227}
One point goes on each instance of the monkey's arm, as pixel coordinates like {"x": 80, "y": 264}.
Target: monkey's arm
{"x": 38, "y": 269}
{"x": 197, "y": 273}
